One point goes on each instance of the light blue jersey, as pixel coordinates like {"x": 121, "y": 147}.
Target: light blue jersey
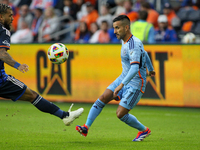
{"x": 132, "y": 52}
{"x": 134, "y": 61}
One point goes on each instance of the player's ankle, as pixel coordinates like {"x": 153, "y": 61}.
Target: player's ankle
{"x": 145, "y": 128}
{"x": 87, "y": 126}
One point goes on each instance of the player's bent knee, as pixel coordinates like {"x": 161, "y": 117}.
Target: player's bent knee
{"x": 121, "y": 111}
{"x": 119, "y": 114}
{"x": 29, "y": 95}
{"x": 104, "y": 98}
{"x": 34, "y": 94}
{"x": 107, "y": 96}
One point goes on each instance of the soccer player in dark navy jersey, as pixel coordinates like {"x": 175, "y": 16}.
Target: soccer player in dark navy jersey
{"x": 14, "y": 89}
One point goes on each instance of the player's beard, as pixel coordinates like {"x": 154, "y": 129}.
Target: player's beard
{"x": 7, "y": 26}
{"x": 120, "y": 37}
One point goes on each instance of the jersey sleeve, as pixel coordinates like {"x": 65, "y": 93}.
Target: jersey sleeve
{"x": 4, "y": 38}
{"x": 131, "y": 73}
{"x": 148, "y": 62}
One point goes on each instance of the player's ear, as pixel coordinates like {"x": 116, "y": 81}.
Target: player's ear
{"x": 127, "y": 27}
{"x": 1, "y": 18}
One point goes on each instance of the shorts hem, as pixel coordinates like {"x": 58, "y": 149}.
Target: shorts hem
{"x": 20, "y": 95}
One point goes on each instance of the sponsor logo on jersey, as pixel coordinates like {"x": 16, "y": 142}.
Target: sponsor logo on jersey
{"x": 7, "y": 31}
{"x": 6, "y": 43}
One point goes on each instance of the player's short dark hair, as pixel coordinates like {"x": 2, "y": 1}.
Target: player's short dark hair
{"x": 4, "y": 8}
{"x": 143, "y": 15}
{"x": 122, "y": 18}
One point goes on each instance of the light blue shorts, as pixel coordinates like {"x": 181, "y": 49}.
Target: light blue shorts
{"x": 128, "y": 95}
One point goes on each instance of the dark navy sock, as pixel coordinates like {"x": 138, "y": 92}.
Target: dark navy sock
{"x": 48, "y": 107}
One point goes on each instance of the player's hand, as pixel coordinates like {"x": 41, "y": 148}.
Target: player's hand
{"x": 152, "y": 73}
{"x": 118, "y": 89}
{"x": 23, "y": 68}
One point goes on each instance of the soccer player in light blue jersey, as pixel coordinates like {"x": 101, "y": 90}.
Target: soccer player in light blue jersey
{"x": 129, "y": 86}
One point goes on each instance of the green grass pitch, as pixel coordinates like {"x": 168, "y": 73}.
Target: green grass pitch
{"x": 23, "y": 127}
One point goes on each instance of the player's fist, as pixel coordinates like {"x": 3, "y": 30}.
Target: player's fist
{"x": 152, "y": 73}
{"x": 23, "y": 68}
{"x": 117, "y": 90}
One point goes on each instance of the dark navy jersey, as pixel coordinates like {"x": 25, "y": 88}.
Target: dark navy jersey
{"x": 4, "y": 43}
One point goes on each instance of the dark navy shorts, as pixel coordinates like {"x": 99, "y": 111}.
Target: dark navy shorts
{"x": 12, "y": 88}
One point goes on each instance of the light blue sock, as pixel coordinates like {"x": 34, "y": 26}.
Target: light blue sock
{"x": 94, "y": 112}
{"x": 133, "y": 122}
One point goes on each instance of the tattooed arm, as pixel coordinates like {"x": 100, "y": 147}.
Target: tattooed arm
{"x": 5, "y": 57}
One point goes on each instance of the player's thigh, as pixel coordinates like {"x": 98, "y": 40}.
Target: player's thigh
{"x": 107, "y": 96}
{"x": 113, "y": 86}
{"x": 130, "y": 98}
{"x": 12, "y": 88}
{"x": 29, "y": 95}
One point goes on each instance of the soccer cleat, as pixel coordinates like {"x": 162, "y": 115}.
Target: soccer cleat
{"x": 142, "y": 134}
{"x": 72, "y": 115}
{"x": 83, "y": 130}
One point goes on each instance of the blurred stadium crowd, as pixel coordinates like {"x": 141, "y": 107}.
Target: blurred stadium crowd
{"x": 90, "y": 21}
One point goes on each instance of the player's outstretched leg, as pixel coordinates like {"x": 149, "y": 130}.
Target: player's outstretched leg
{"x": 45, "y": 106}
{"x": 48, "y": 107}
{"x": 94, "y": 112}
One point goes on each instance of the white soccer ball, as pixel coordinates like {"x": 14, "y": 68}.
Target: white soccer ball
{"x": 189, "y": 38}
{"x": 58, "y": 53}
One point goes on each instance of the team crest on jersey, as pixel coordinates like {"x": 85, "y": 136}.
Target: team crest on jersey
{"x": 124, "y": 52}
{"x": 6, "y": 43}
